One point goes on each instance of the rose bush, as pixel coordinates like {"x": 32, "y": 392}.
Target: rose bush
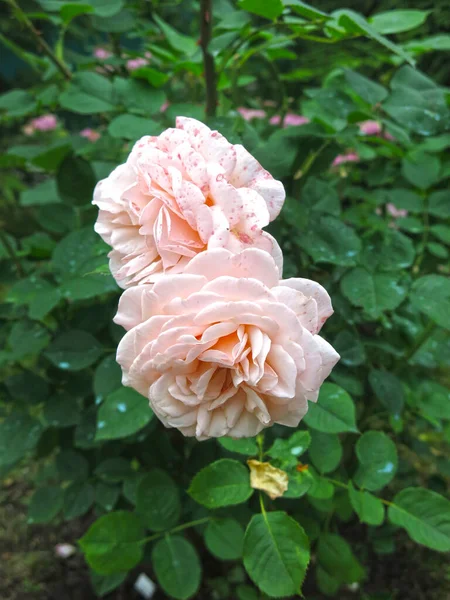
{"x": 353, "y": 500}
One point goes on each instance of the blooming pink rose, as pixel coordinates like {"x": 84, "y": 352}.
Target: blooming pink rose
{"x": 90, "y": 134}
{"x": 226, "y": 349}
{"x": 102, "y": 53}
{"x": 44, "y": 123}
{"x": 289, "y": 120}
{"x": 251, "y": 113}
{"x": 180, "y": 193}
{"x": 345, "y": 158}
{"x": 136, "y": 63}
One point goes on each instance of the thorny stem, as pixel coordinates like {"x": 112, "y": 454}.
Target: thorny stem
{"x": 208, "y": 60}
{"x": 155, "y": 536}
{"x": 22, "y": 18}
{"x": 11, "y": 252}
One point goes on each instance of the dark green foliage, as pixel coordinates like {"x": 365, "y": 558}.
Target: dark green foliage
{"x": 371, "y": 456}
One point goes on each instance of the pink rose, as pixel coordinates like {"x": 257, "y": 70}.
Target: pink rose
{"x": 90, "y": 134}
{"x": 180, "y": 193}
{"x": 136, "y": 63}
{"x": 345, "y": 158}
{"x": 226, "y": 348}
{"x": 102, "y": 53}
{"x": 251, "y": 113}
{"x": 289, "y": 120}
{"x": 44, "y": 123}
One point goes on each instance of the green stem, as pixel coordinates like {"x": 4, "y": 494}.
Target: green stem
{"x": 423, "y": 244}
{"x": 155, "y": 536}
{"x": 310, "y": 160}
{"x": 261, "y": 504}
{"x": 208, "y": 59}
{"x": 28, "y": 57}
{"x": 24, "y": 20}
{"x": 341, "y": 484}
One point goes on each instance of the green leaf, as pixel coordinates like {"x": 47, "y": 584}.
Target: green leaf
{"x": 245, "y": 446}
{"x": 374, "y": 292}
{"x": 434, "y": 400}
{"x": 335, "y": 556}
{"x": 388, "y": 389}
{"x": 177, "y": 567}
{"x": 17, "y": 103}
{"x": 70, "y": 11}
{"x": 104, "y": 584}
{"x": 56, "y": 218}
{"x": 421, "y": 169}
{"x": 393, "y": 251}
{"x": 113, "y": 544}
{"x": 325, "y": 451}
{"x": 76, "y": 180}
{"x": 377, "y": 456}
{"x": 107, "y": 377}
{"x": 45, "y": 504}
{"x": 442, "y": 232}
{"x": 158, "y": 501}
{"x": 178, "y": 41}
{"x": 417, "y": 103}
{"x": 329, "y": 240}
{"x": 353, "y": 23}
{"x": 130, "y": 127}
{"x": 274, "y": 539}
{"x": 62, "y": 410}
{"x": 120, "y": 22}
{"x": 106, "y": 8}
{"x": 431, "y": 295}
{"x": 397, "y": 21}
{"x": 320, "y": 488}
{"x": 334, "y": 411}
{"x": 299, "y": 484}
{"x": 270, "y": 9}
{"x": 89, "y": 286}
{"x": 154, "y": 77}
{"x": 41, "y": 194}
{"x": 320, "y": 196}
{"x": 123, "y": 413}
{"x": 27, "y": 387}
{"x": 72, "y": 466}
{"x": 114, "y": 469}
{"x": 74, "y": 350}
{"x": 365, "y": 88}
{"x": 78, "y": 499}
{"x": 369, "y": 508}
{"x": 27, "y": 339}
{"x": 224, "y": 538}
{"x": 19, "y": 433}
{"x": 288, "y": 450}
{"x": 88, "y": 93}
{"x": 106, "y": 495}
{"x": 350, "y": 348}
{"x": 73, "y": 252}
{"x": 221, "y": 483}
{"x": 136, "y": 95}
{"x": 439, "y": 204}
{"x": 306, "y": 10}
{"x": 425, "y": 515}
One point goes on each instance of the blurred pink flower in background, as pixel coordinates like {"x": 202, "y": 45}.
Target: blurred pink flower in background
{"x": 164, "y": 106}
{"x": 396, "y": 212}
{"x": 102, "y": 53}
{"x": 345, "y": 158}
{"x": 370, "y": 127}
{"x": 290, "y": 119}
{"x": 90, "y": 134}
{"x": 136, "y": 63}
{"x": 42, "y": 123}
{"x": 64, "y": 550}
{"x": 251, "y": 113}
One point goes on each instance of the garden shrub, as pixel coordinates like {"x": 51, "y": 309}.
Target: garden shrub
{"x": 361, "y": 145}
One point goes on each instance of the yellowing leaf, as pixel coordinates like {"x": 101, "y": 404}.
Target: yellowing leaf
{"x": 269, "y": 479}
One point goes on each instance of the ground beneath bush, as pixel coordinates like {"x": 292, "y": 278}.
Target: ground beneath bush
{"x": 30, "y": 569}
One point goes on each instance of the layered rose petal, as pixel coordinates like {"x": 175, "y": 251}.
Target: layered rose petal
{"x": 225, "y": 348}
{"x": 179, "y": 194}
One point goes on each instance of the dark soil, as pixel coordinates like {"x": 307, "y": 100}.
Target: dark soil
{"x": 30, "y": 569}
